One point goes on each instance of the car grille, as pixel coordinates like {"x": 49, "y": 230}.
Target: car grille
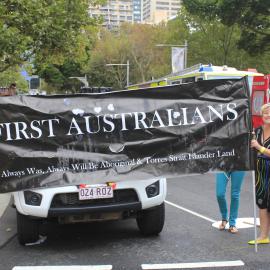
{"x": 72, "y": 199}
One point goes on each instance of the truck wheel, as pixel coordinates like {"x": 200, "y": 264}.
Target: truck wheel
{"x": 150, "y": 222}
{"x": 27, "y": 229}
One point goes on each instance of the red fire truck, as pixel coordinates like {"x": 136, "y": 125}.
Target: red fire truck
{"x": 259, "y": 96}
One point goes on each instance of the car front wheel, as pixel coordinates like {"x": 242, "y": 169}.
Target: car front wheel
{"x": 151, "y": 221}
{"x": 27, "y": 229}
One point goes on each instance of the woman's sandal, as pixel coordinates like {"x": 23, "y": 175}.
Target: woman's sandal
{"x": 222, "y": 225}
{"x": 233, "y": 229}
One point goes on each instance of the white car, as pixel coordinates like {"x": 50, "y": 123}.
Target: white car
{"x": 141, "y": 199}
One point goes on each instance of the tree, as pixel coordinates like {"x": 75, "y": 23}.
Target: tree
{"x": 43, "y": 30}
{"x": 211, "y": 41}
{"x": 147, "y": 59}
{"x": 251, "y": 16}
{"x": 208, "y": 42}
{"x": 136, "y": 43}
{"x": 110, "y": 48}
{"x": 57, "y": 77}
{"x": 73, "y": 64}
{"x": 52, "y": 76}
{"x": 13, "y": 75}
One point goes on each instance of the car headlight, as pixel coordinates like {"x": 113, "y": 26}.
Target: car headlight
{"x": 32, "y": 198}
{"x": 152, "y": 190}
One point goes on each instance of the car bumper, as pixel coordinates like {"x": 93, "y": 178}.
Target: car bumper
{"x": 48, "y": 209}
{"x": 59, "y": 211}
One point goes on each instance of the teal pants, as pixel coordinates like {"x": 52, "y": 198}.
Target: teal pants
{"x": 222, "y": 180}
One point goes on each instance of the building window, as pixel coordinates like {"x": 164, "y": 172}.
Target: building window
{"x": 163, "y": 8}
{"x": 163, "y": 3}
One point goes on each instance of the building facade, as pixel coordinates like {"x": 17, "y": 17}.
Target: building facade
{"x": 114, "y": 12}
{"x": 137, "y": 11}
{"x": 156, "y": 11}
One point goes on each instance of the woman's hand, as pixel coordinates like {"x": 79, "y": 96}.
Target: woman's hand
{"x": 255, "y": 144}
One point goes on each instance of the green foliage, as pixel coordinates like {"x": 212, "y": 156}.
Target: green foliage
{"x": 109, "y": 49}
{"x": 60, "y": 40}
{"x": 13, "y": 75}
{"x": 57, "y": 77}
{"x": 252, "y": 16}
{"x": 70, "y": 68}
{"x": 208, "y": 42}
{"x": 52, "y": 76}
{"x": 45, "y": 30}
{"x": 136, "y": 43}
{"x": 148, "y": 60}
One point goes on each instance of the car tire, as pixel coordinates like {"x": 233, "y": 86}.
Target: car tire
{"x": 27, "y": 229}
{"x": 151, "y": 221}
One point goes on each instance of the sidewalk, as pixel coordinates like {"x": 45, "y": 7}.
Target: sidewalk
{"x": 7, "y": 220}
{"x": 4, "y": 201}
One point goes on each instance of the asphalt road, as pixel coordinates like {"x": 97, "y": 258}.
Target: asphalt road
{"x": 188, "y": 236}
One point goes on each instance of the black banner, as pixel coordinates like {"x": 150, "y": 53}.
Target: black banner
{"x": 124, "y": 135}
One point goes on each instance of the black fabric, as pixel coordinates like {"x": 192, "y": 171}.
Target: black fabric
{"x": 125, "y": 135}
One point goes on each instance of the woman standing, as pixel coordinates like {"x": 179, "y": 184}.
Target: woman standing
{"x": 222, "y": 180}
{"x": 261, "y": 143}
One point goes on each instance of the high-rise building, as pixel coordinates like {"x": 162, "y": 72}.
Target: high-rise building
{"x": 137, "y": 11}
{"x": 115, "y": 12}
{"x": 155, "y": 11}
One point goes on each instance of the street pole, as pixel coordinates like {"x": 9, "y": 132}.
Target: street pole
{"x": 186, "y": 47}
{"x": 82, "y": 79}
{"x": 127, "y": 65}
{"x": 127, "y": 73}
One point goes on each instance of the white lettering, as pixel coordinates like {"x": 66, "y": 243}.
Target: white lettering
{"x": 234, "y": 112}
{"x": 219, "y": 115}
{"x": 21, "y": 130}
{"x": 141, "y": 120}
{"x": 50, "y": 123}
{"x": 108, "y": 122}
{"x": 198, "y": 115}
{"x": 75, "y": 125}
{"x": 157, "y": 118}
{"x": 37, "y": 129}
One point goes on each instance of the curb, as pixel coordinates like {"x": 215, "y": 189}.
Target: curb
{"x": 8, "y": 228}
{"x": 4, "y": 202}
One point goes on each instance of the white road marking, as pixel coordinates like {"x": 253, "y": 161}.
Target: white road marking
{"x": 191, "y": 265}
{"x": 251, "y": 221}
{"x": 191, "y": 212}
{"x": 64, "y": 267}
{"x": 241, "y": 223}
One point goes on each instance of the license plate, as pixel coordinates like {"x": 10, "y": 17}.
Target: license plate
{"x": 95, "y": 192}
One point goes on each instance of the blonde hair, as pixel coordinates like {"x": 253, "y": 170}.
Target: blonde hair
{"x": 265, "y": 107}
